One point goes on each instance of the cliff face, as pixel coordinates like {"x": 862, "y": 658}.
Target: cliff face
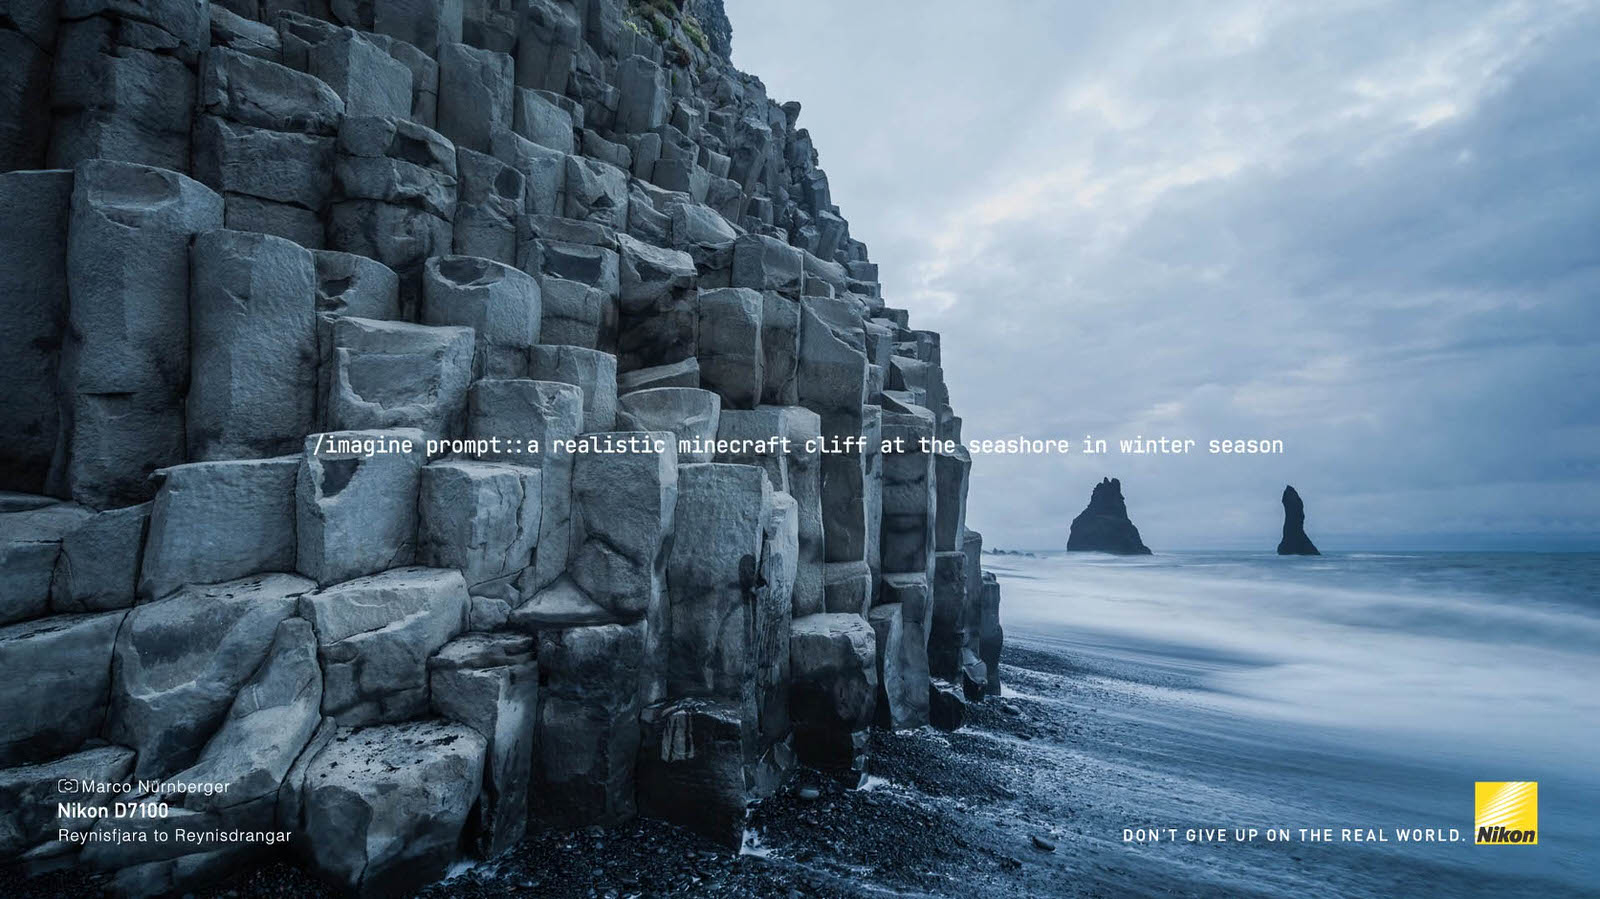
{"x": 1103, "y": 525}
{"x": 713, "y": 22}
{"x": 357, "y": 345}
{"x": 1295, "y": 542}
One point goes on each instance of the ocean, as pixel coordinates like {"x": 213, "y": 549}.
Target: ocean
{"x": 1359, "y": 691}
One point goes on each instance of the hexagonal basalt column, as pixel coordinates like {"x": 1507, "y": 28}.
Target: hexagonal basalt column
{"x": 532, "y": 421}
{"x": 356, "y": 503}
{"x": 125, "y": 361}
{"x": 500, "y": 304}
{"x": 833, "y": 691}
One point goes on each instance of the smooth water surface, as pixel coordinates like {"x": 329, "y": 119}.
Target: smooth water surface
{"x": 1365, "y": 690}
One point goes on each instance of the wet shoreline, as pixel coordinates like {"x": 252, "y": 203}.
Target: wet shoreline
{"x": 1030, "y": 797}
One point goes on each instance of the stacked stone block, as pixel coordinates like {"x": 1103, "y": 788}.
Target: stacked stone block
{"x": 385, "y": 374}
{"x": 264, "y": 139}
{"x": 35, "y": 214}
{"x": 123, "y": 84}
{"x": 395, "y": 196}
{"x": 252, "y": 346}
{"x": 124, "y": 363}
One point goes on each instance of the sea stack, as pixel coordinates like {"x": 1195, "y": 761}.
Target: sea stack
{"x": 1295, "y": 542}
{"x": 1104, "y": 525}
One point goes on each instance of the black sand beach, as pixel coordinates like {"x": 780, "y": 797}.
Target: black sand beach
{"x": 1030, "y": 798}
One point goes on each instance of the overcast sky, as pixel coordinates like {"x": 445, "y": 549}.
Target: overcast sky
{"x": 1371, "y": 230}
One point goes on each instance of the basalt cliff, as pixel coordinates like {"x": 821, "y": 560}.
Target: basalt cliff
{"x": 309, "y": 309}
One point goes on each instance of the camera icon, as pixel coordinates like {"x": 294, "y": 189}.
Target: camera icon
{"x": 66, "y": 785}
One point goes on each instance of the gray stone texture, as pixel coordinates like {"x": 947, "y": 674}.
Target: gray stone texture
{"x": 117, "y": 91}
{"x": 796, "y": 470}
{"x": 34, "y": 208}
{"x": 406, "y": 655}
{"x": 429, "y": 25}
{"x": 780, "y": 552}
{"x": 220, "y": 521}
{"x": 356, "y": 286}
{"x": 596, "y": 147}
{"x": 902, "y": 700}
{"x": 363, "y": 74}
{"x": 729, "y": 345}
{"x": 540, "y": 119}
{"x": 30, "y": 544}
{"x": 588, "y": 264}
{"x": 698, "y": 748}
{"x": 705, "y": 235}
{"x": 355, "y": 509}
{"x": 945, "y": 635}
{"x": 596, "y": 192}
{"x": 780, "y": 349}
{"x": 424, "y": 77}
{"x": 833, "y": 690}
{"x": 992, "y": 638}
{"x": 383, "y": 808}
{"x": 544, "y": 172}
{"x": 950, "y": 514}
{"x": 644, "y": 96}
{"x": 54, "y": 683}
{"x": 480, "y": 518}
{"x": 676, "y": 374}
{"x": 125, "y": 359}
{"x": 714, "y": 580}
{"x": 499, "y": 303}
{"x": 475, "y": 94}
{"x": 374, "y": 637}
{"x": 659, "y": 321}
{"x": 591, "y": 370}
{"x": 765, "y": 263}
{"x": 852, "y": 485}
{"x": 388, "y": 374}
{"x": 588, "y": 735}
{"x": 576, "y": 314}
{"x": 29, "y": 795}
{"x": 540, "y": 416}
{"x": 688, "y": 413}
{"x": 179, "y": 663}
{"x": 99, "y": 562}
{"x": 252, "y": 345}
{"x": 271, "y": 719}
{"x": 264, "y": 140}
{"x": 570, "y": 231}
{"x": 24, "y": 100}
{"x": 831, "y": 373}
{"x": 491, "y": 24}
{"x": 490, "y": 683}
{"x": 624, "y": 517}
{"x": 974, "y": 673}
{"x": 392, "y": 160}
{"x": 913, "y": 595}
{"x": 489, "y": 200}
{"x": 848, "y": 587}
{"x": 395, "y": 195}
{"x": 908, "y": 495}
{"x": 551, "y": 35}
{"x": 263, "y": 94}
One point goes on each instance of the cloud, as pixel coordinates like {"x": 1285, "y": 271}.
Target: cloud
{"x": 1367, "y": 229}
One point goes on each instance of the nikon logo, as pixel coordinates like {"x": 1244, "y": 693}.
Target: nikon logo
{"x": 1507, "y": 813}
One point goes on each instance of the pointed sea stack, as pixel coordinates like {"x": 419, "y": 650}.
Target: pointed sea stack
{"x": 1104, "y": 525}
{"x": 1295, "y": 542}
